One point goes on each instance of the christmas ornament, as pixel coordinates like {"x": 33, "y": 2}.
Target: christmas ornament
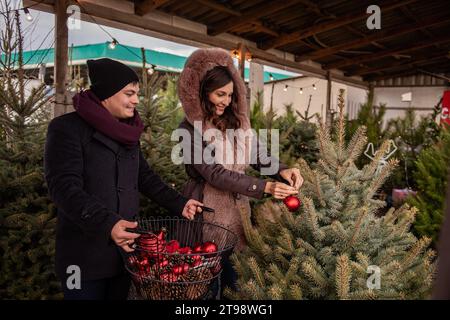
{"x": 163, "y": 263}
{"x": 172, "y": 246}
{"x": 197, "y": 248}
{"x": 292, "y": 203}
{"x": 209, "y": 247}
{"x": 185, "y": 250}
{"x": 384, "y": 158}
{"x": 180, "y": 269}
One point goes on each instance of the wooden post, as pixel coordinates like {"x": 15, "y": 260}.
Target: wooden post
{"x": 61, "y": 58}
{"x": 242, "y": 52}
{"x": 328, "y": 106}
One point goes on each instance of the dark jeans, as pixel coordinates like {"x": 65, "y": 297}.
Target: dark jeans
{"x": 228, "y": 278}
{"x": 103, "y": 289}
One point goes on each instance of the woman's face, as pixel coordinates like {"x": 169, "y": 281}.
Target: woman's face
{"x": 221, "y": 98}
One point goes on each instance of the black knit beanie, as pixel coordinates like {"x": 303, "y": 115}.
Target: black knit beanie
{"x": 109, "y": 77}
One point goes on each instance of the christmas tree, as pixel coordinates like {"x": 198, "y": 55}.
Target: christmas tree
{"x": 431, "y": 176}
{"x": 371, "y": 117}
{"x": 297, "y": 137}
{"x": 326, "y": 250}
{"x": 27, "y": 218}
{"x": 161, "y": 113}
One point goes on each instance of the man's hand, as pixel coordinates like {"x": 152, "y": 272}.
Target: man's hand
{"x": 293, "y": 176}
{"x": 191, "y": 208}
{"x": 123, "y": 238}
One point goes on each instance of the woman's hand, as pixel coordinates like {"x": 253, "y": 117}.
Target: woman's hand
{"x": 293, "y": 176}
{"x": 279, "y": 190}
{"x": 191, "y": 208}
{"x": 123, "y": 238}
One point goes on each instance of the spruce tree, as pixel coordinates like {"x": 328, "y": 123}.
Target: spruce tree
{"x": 161, "y": 113}
{"x": 27, "y": 217}
{"x": 326, "y": 250}
{"x": 431, "y": 175}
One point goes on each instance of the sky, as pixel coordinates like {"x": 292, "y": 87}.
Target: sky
{"x": 40, "y": 35}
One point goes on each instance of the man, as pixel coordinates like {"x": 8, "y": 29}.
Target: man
{"x": 95, "y": 170}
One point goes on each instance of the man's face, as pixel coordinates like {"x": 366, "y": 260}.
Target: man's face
{"x": 122, "y": 104}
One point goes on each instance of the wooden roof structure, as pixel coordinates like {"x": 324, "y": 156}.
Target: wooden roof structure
{"x": 328, "y": 39}
{"x": 414, "y": 36}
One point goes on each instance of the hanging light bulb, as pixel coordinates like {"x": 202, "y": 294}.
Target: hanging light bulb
{"x": 314, "y": 87}
{"x": 151, "y": 70}
{"x": 113, "y": 44}
{"x": 270, "y": 77}
{"x": 285, "y": 87}
{"x": 28, "y": 15}
{"x": 249, "y": 57}
{"x": 235, "y": 54}
{"x": 301, "y": 90}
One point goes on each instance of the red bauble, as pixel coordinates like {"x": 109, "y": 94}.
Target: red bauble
{"x": 292, "y": 203}
{"x": 209, "y": 247}
{"x": 197, "y": 248}
{"x": 185, "y": 250}
{"x": 172, "y": 246}
{"x": 163, "y": 262}
{"x": 180, "y": 269}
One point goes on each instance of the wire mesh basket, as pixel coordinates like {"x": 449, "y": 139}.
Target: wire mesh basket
{"x": 177, "y": 259}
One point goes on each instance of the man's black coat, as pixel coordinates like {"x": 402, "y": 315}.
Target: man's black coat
{"x": 95, "y": 182}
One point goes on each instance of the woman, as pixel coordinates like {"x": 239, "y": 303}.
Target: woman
{"x": 213, "y": 95}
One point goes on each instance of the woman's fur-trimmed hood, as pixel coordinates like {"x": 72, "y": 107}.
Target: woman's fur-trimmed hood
{"x": 195, "y": 68}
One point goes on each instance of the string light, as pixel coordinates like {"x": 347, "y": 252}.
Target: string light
{"x": 235, "y": 54}
{"x": 300, "y": 90}
{"x": 249, "y": 57}
{"x": 113, "y": 44}
{"x": 151, "y": 70}
{"x": 28, "y": 15}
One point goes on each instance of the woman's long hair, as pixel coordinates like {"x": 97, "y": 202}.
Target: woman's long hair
{"x": 214, "y": 79}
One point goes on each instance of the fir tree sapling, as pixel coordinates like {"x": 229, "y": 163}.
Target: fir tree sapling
{"x": 326, "y": 250}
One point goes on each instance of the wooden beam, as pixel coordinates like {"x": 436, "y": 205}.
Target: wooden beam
{"x": 61, "y": 58}
{"x": 407, "y": 12}
{"x": 130, "y": 22}
{"x": 250, "y": 15}
{"x": 389, "y": 33}
{"x": 385, "y": 53}
{"x": 219, "y": 7}
{"x": 242, "y": 53}
{"x": 404, "y": 73}
{"x": 144, "y": 7}
{"x": 402, "y": 63}
{"x": 260, "y": 27}
{"x": 330, "y": 25}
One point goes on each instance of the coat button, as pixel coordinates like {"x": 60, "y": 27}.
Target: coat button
{"x": 254, "y": 187}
